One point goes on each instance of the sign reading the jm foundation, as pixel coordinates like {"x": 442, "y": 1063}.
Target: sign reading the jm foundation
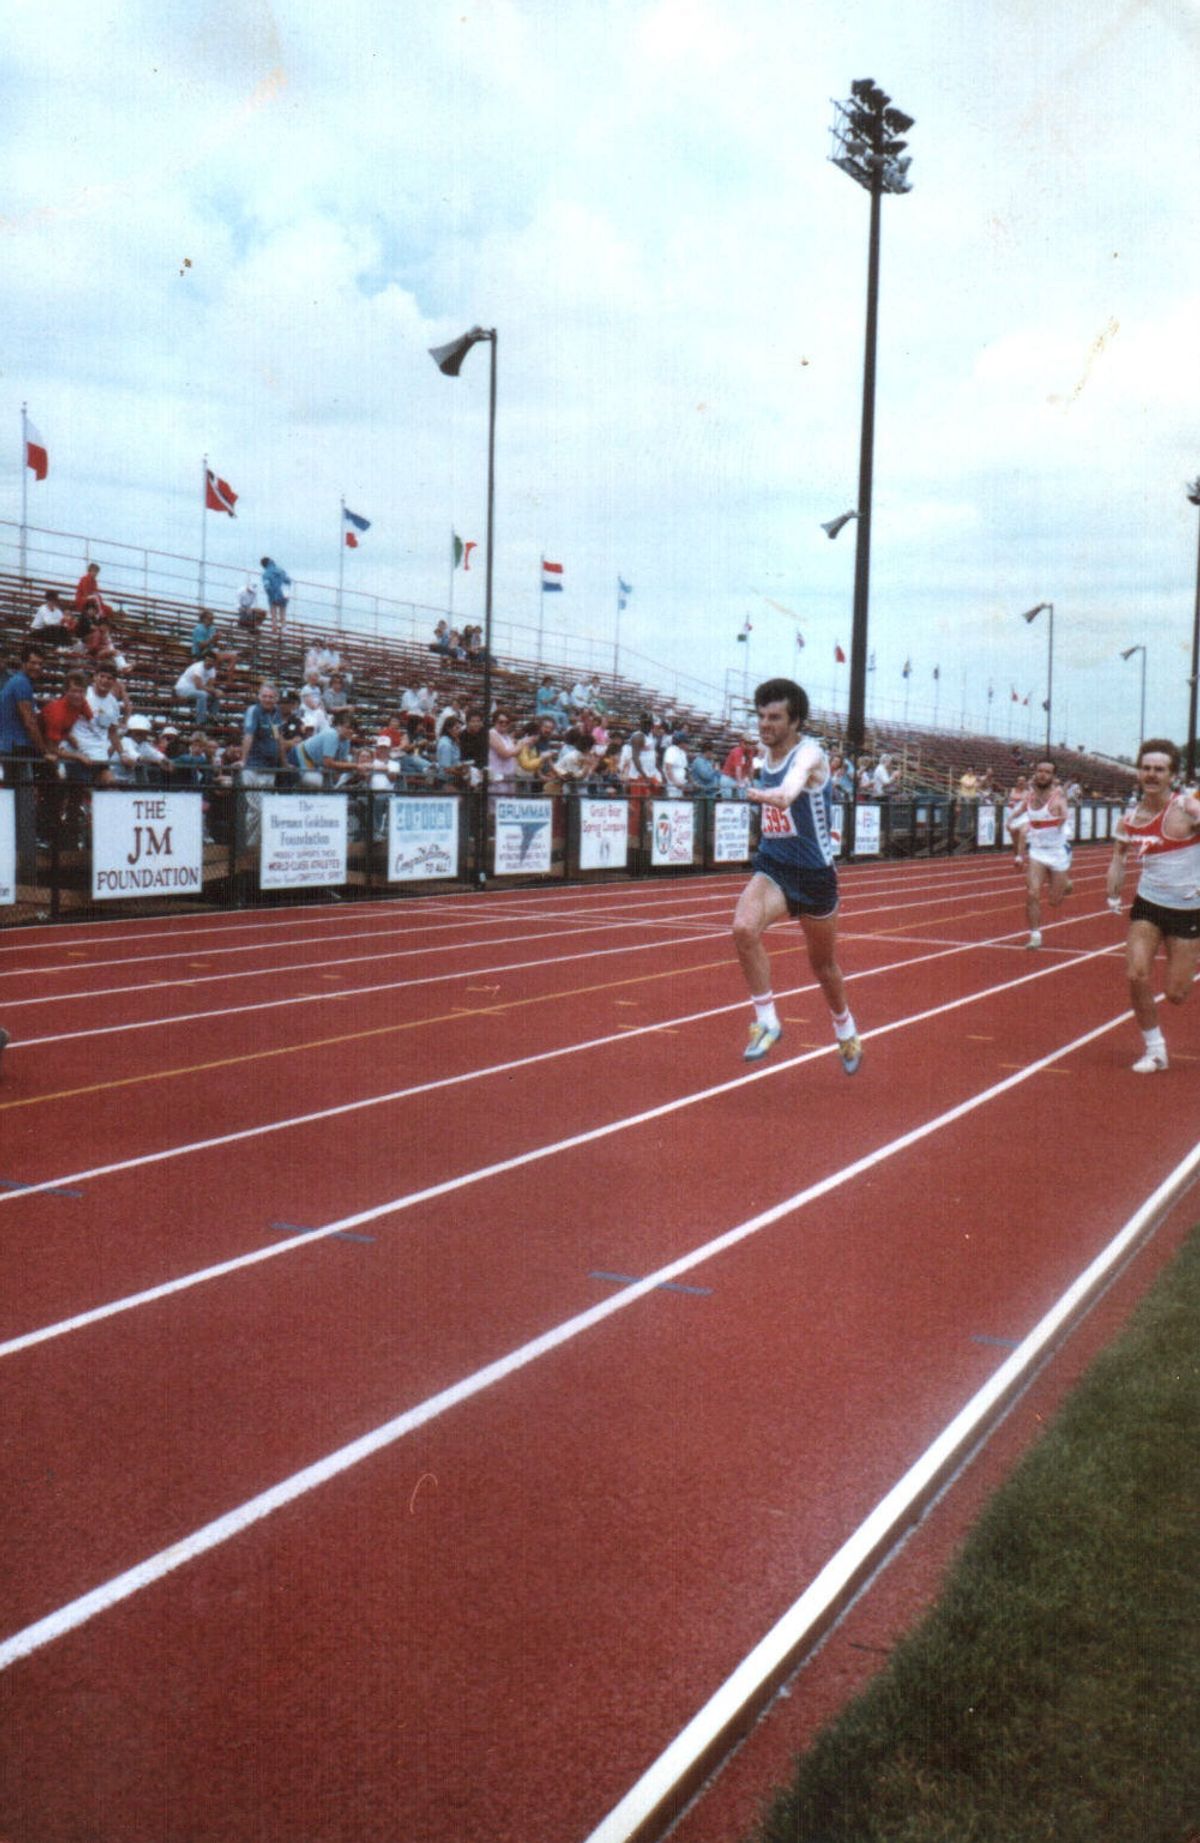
{"x": 146, "y": 845}
{"x": 731, "y": 832}
{"x": 673, "y": 831}
{"x": 523, "y": 834}
{"x": 422, "y": 839}
{"x": 603, "y": 834}
{"x": 8, "y": 847}
{"x": 303, "y": 841}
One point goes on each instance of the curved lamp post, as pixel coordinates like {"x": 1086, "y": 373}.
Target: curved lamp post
{"x": 1031, "y": 614}
{"x": 1128, "y": 654}
{"x": 1193, "y": 493}
{"x": 449, "y": 360}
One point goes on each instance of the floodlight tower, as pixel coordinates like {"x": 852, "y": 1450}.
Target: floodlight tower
{"x": 868, "y": 144}
{"x": 1193, "y": 493}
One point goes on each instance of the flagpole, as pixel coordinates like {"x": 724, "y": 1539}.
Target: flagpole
{"x": 541, "y": 602}
{"x": 203, "y": 524}
{"x": 617, "y": 638}
{"x": 450, "y": 596}
{"x": 24, "y": 486}
{"x": 341, "y": 558}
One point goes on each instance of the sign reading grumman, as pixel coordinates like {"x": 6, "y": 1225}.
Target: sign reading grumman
{"x": 422, "y": 839}
{"x": 146, "y": 844}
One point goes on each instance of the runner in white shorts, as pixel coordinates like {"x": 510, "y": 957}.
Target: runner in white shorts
{"x": 1044, "y": 842}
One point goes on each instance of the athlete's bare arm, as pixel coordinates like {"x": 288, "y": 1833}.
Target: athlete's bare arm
{"x": 807, "y": 768}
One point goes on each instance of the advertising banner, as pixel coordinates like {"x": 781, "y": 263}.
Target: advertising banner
{"x": 146, "y": 844}
{"x": 731, "y": 832}
{"x": 837, "y": 828}
{"x": 603, "y": 834}
{"x": 422, "y": 839}
{"x": 985, "y": 826}
{"x": 672, "y": 832}
{"x": 866, "y": 831}
{"x": 303, "y": 841}
{"x": 8, "y": 846}
{"x": 524, "y": 835}
{"x": 1087, "y": 821}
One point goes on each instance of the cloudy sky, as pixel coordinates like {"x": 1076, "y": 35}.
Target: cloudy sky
{"x": 237, "y": 230}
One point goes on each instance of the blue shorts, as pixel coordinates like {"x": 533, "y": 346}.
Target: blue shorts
{"x": 807, "y": 892}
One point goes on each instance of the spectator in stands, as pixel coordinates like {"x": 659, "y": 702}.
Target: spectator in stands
{"x": 675, "y": 766}
{"x": 529, "y": 760}
{"x": 312, "y": 702}
{"x": 545, "y": 703}
{"x": 194, "y": 768}
{"x": 152, "y": 764}
{"x": 395, "y": 729}
{"x": 449, "y": 709}
{"x": 59, "y": 716}
{"x": 885, "y": 781}
{"x": 583, "y": 693}
{"x": 323, "y": 754}
{"x": 93, "y": 741}
{"x": 20, "y": 726}
{"x": 841, "y": 777}
{"x": 276, "y": 582}
{"x": 473, "y": 742}
{"x": 738, "y": 766}
{"x": 1074, "y": 790}
{"x": 866, "y": 784}
{"x": 573, "y": 763}
{"x": 414, "y": 764}
{"x": 704, "y": 777}
{"x": 50, "y": 622}
{"x": 449, "y": 750}
{"x": 88, "y": 589}
{"x": 335, "y": 694}
{"x": 204, "y": 634}
{"x": 250, "y": 616}
{"x": 261, "y": 752}
{"x": 473, "y": 646}
{"x": 968, "y": 785}
{"x": 417, "y": 701}
{"x": 196, "y": 685}
{"x": 441, "y": 638}
{"x": 503, "y": 748}
{"x": 92, "y": 628}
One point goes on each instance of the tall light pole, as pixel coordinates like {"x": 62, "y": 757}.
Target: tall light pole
{"x": 448, "y": 360}
{"x": 1193, "y": 493}
{"x": 1128, "y": 654}
{"x": 1031, "y": 614}
{"x": 868, "y": 144}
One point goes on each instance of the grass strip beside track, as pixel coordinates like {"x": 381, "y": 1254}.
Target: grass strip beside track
{"x": 1053, "y": 1692}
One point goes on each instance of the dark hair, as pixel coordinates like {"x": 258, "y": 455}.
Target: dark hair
{"x": 783, "y": 691}
{"x": 1157, "y": 745}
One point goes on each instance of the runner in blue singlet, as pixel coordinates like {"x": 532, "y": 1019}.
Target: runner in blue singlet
{"x": 793, "y": 869}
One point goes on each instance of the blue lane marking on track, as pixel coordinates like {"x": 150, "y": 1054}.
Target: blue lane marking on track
{"x": 1001, "y": 1343}
{"x": 12, "y": 1183}
{"x": 296, "y": 1228}
{"x": 667, "y": 1286}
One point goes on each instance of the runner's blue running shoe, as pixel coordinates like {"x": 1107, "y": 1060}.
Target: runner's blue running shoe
{"x": 762, "y": 1038}
{"x": 850, "y": 1051}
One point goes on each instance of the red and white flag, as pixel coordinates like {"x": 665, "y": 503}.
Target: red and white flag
{"x": 839, "y": 658}
{"x": 551, "y": 577}
{"x": 219, "y": 496}
{"x": 36, "y": 456}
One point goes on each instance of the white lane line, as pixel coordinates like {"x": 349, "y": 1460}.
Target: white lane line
{"x": 396, "y": 1205}
{"x": 662, "y": 1790}
{"x": 211, "y": 1535}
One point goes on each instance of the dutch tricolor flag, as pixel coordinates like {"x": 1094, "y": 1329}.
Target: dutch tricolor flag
{"x": 551, "y": 578}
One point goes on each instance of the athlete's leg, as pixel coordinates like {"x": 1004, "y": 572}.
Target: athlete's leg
{"x": 1035, "y": 883}
{"x": 1143, "y": 944}
{"x": 1182, "y": 957}
{"x": 1058, "y": 885}
{"x": 820, "y": 937}
{"x": 760, "y": 903}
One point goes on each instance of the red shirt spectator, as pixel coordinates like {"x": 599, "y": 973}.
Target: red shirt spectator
{"x": 739, "y": 763}
{"x": 61, "y": 714}
{"x": 87, "y": 586}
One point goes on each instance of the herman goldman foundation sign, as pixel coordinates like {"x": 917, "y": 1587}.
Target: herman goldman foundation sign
{"x": 146, "y": 844}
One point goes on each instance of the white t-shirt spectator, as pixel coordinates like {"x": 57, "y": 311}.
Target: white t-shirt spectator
{"x": 91, "y": 734}
{"x": 48, "y": 616}
{"x": 674, "y": 767}
{"x": 647, "y": 761}
{"x": 882, "y": 781}
{"x": 196, "y": 677}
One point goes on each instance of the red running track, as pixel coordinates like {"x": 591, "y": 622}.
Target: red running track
{"x": 353, "y": 1491}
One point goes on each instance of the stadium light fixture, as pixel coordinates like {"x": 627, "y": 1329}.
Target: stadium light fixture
{"x": 1193, "y": 493}
{"x": 449, "y": 360}
{"x": 1128, "y": 654}
{"x": 869, "y": 147}
{"x": 1031, "y": 614}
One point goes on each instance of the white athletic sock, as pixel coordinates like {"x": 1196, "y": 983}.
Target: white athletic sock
{"x": 1156, "y": 1043}
{"x": 844, "y": 1026}
{"x": 765, "y": 1012}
